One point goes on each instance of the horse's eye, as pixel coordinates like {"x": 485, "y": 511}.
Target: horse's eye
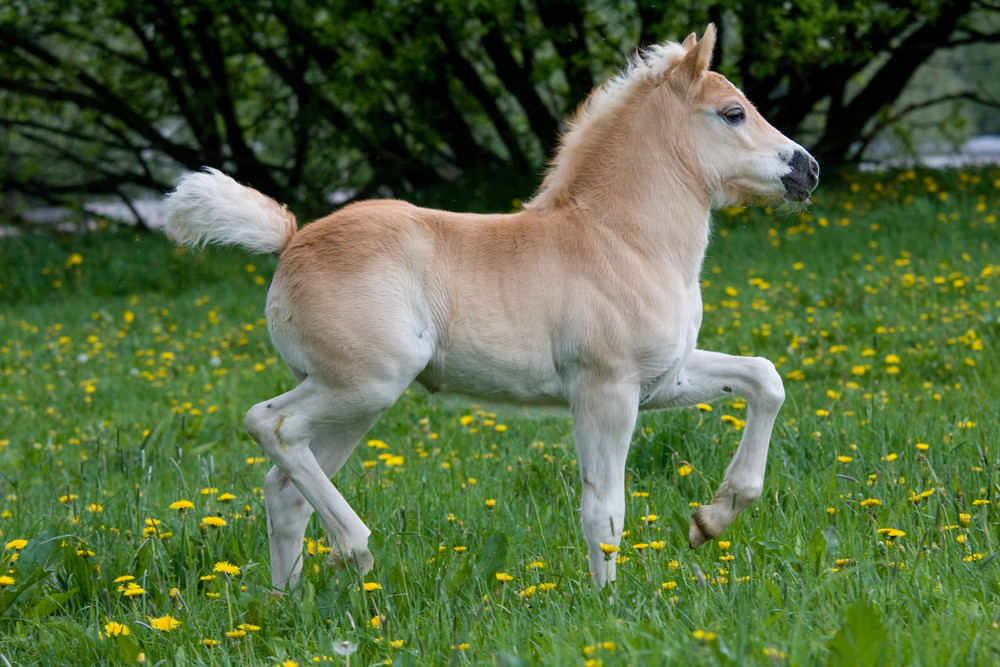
{"x": 733, "y": 115}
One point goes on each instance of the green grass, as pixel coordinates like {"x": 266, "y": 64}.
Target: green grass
{"x": 127, "y": 366}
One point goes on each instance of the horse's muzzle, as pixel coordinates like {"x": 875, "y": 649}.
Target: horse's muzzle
{"x": 803, "y": 178}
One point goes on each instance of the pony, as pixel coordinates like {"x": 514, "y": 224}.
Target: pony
{"x": 588, "y": 297}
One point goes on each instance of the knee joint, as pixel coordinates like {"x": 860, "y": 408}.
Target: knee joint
{"x": 772, "y": 389}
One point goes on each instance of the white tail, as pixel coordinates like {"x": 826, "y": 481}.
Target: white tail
{"x": 210, "y": 207}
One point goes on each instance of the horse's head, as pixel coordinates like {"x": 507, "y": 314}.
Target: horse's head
{"x": 741, "y": 154}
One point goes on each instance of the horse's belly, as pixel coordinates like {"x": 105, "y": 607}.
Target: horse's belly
{"x": 519, "y": 377}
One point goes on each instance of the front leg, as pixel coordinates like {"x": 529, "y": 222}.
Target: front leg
{"x": 604, "y": 417}
{"x": 706, "y": 376}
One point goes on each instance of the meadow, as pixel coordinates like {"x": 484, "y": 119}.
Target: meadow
{"x": 132, "y": 523}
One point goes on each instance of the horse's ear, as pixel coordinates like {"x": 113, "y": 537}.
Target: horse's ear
{"x": 699, "y": 56}
{"x": 691, "y": 40}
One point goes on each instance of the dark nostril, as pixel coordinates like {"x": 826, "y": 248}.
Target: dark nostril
{"x": 813, "y": 167}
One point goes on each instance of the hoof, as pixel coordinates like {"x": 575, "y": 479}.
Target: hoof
{"x": 362, "y": 561}
{"x": 698, "y": 533}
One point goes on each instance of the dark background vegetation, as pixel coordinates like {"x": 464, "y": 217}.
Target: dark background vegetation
{"x": 308, "y": 101}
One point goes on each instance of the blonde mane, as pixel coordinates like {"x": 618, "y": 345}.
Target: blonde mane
{"x": 602, "y": 105}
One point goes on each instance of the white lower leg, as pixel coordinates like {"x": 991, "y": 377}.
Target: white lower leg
{"x": 602, "y": 523}
{"x": 603, "y": 420}
{"x": 287, "y": 516}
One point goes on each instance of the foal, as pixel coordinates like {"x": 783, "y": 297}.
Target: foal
{"x": 593, "y": 291}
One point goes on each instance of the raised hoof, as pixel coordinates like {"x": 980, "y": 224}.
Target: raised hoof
{"x": 362, "y": 561}
{"x": 697, "y": 533}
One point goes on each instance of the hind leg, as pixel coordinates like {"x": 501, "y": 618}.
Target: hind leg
{"x": 288, "y": 511}
{"x": 288, "y": 427}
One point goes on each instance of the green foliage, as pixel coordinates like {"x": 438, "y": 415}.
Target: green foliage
{"x": 875, "y": 539}
{"x": 861, "y": 640}
{"x": 306, "y": 101}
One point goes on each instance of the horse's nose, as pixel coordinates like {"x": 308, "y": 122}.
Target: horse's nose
{"x": 802, "y": 178}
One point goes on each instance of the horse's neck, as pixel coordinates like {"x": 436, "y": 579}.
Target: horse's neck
{"x": 657, "y": 205}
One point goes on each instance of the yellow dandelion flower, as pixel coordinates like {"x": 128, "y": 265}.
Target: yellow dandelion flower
{"x": 980, "y": 501}
{"x": 844, "y": 459}
{"x": 669, "y": 585}
{"x": 132, "y": 589}
{"x": 503, "y": 576}
{"x": 964, "y": 518}
{"x": 703, "y": 635}
{"x": 831, "y": 511}
{"x": 547, "y": 586}
{"x": 114, "y": 629}
{"x": 164, "y": 623}
{"x": 460, "y": 549}
{"x": 657, "y": 545}
{"x": 608, "y": 549}
{"x": 396, "y": 643}
{"x": 210, "y": 642}
{"x": 182, "y": 505}
{"x": 535, "y": 565}
{"x": 236, "y": 634}
{"x": 226, "y": 567}
{"x": 214, "y": 521}
{"x": 923, "y": 446}
{"x": 684, "y": 470}
{"x": 7, "y": 580}
{"x": 870, "y": 502}
{"x": 372, "y": 586}
{"x": 490, "y": 503}
{"x": 16, "y": 545}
